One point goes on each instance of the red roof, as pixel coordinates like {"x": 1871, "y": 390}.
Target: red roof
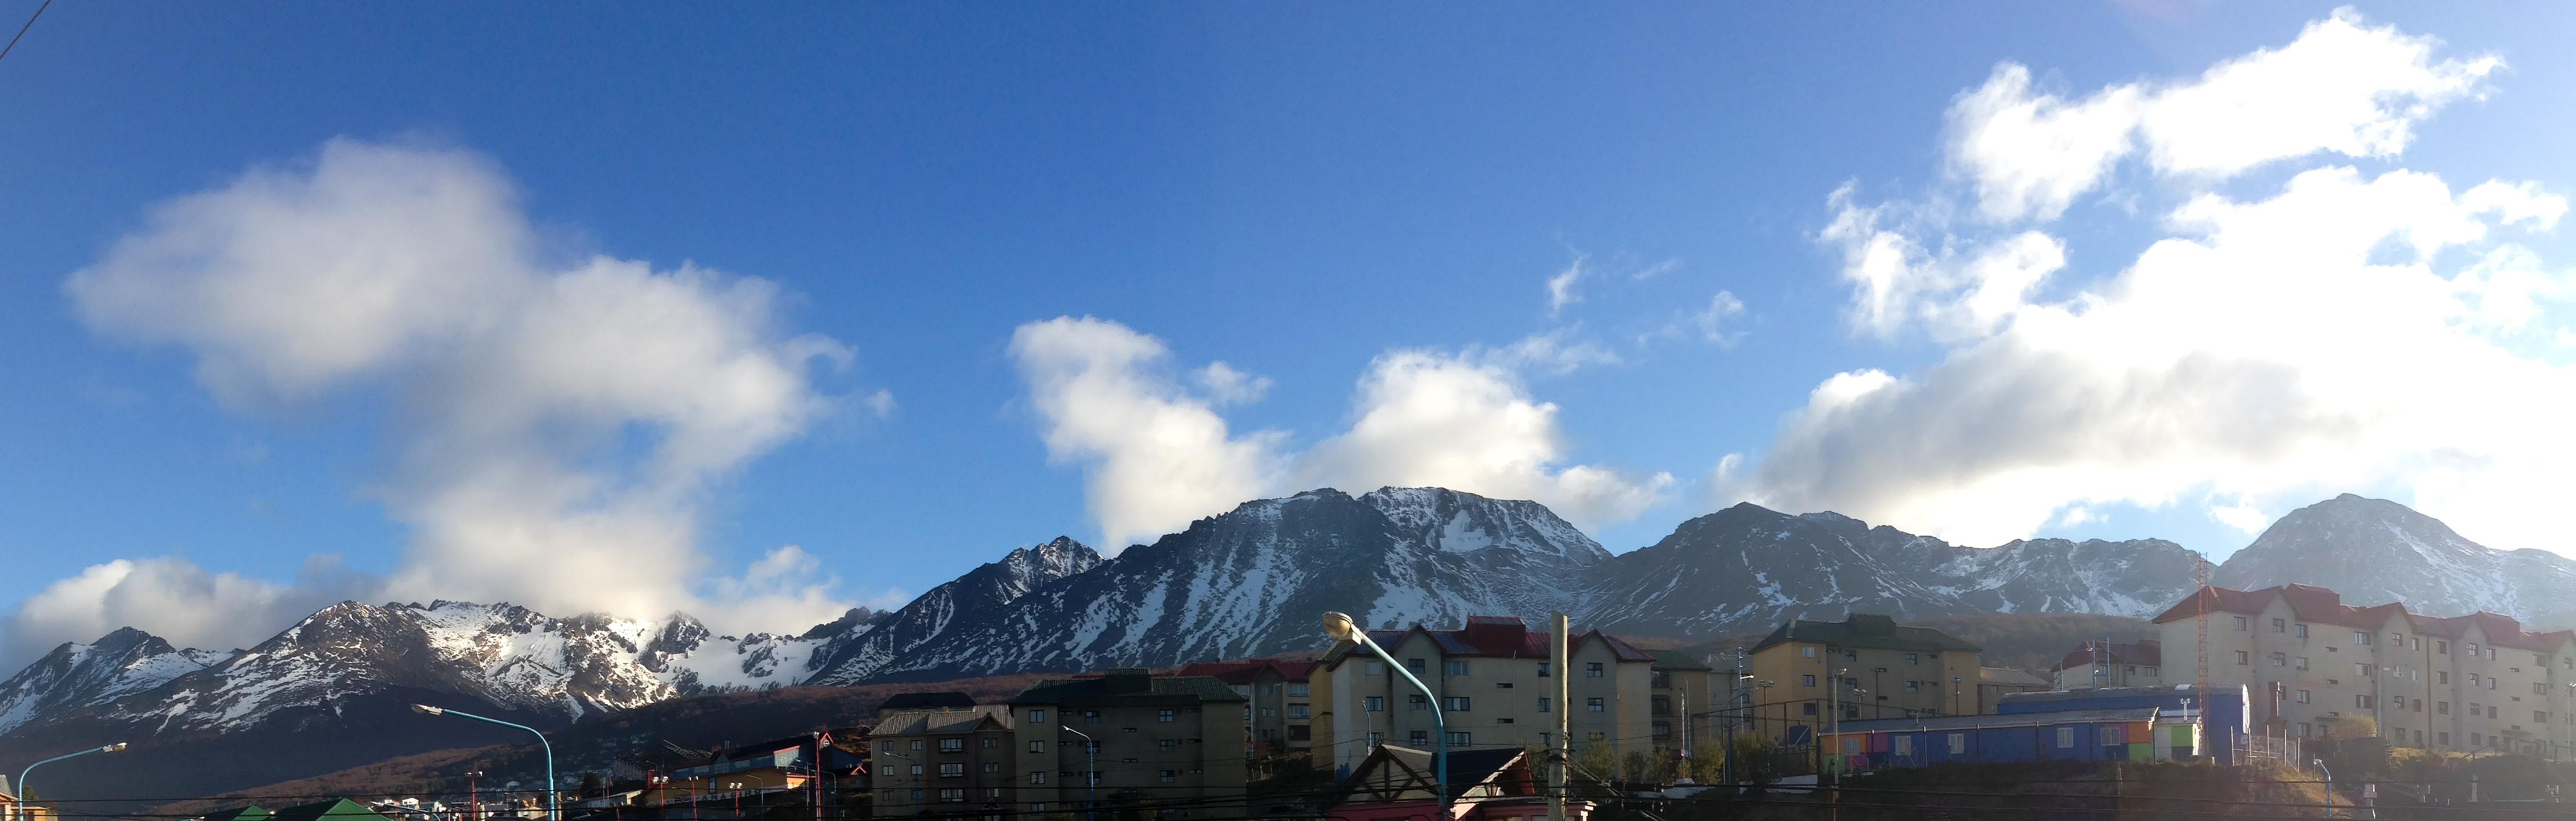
{"x": 2322, "y": 606}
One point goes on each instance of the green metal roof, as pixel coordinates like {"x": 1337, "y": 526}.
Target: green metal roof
{"x": 335, "y": 810}
{"x": 1868, "y": 632}
{"x": 249, "y": 813}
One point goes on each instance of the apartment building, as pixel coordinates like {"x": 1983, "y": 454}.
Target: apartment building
{"x": 1278, "y": 717}
{"x": 1174, "y": 743}
{"x": 2104, "y": 663}
{"x": 1496, "y": 686}
{"x": 1868, "y": 666}
{"x": 1993, "y": 683}
{"x": 949, "y": 761}
{"x": 1681, "y": 708}
{"x": 2319, "y": 667}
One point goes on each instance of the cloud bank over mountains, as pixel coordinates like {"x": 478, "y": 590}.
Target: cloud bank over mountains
{"x": 2297, "y": 323}
{"x": 552, "y": 423}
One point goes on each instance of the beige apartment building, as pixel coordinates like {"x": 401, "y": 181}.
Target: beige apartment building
{"x": 1278, "y": 716}
{"x": 1497, "y": 687}
{"x": 2316, "y": 667}
{"x": 1681, "y": 705}
{"x": 1173, "y": 744}
{"x": 954, "y": 762}
{"x": 1886, "y": 670}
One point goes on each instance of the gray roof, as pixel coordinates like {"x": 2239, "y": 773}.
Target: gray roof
{"x": 1676, "y": 660}
{"x": 2007, "y": 675}
{"x": 941, "y": 722}
{"x": 1890, "y": 725}
{"x": 1866, "y": 631}
{"x": 1111, "y": 689}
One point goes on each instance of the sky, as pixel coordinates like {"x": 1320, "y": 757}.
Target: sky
{"x": 761, "y": 315}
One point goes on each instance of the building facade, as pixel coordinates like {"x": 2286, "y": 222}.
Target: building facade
{"x": 1497, "y": 687}
{"x": 2104, "y": 663}
{"x": 945, "y": 762}
{"x": 1993, "y": 683}
{"x": 1131, "y": 738}
{"x": 2318, "y": 667}
{"x": 1278, "y": 715}
{"x": 1681, "y": 707}
{"x": 1865, "y": 666}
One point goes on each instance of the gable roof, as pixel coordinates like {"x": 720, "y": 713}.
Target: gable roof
{"x": 1677, "y": 660}
{"x": 943, "y": 722}
{"x": 1129, "y": 686}
{"x": 338, "y": 809}
{"x": 251, "y": 812}
{"x": 1490, "y": 637}
{"x": 2318, "y": 605}
{"x": 1413, "y": 770}
{"x": 1865, "y": 631}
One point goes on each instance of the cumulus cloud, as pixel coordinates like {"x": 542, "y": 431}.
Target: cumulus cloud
{"x": 175, "y": 599}
{"x": 556, "y": 423}
{"x": 2343, "y": 86}
{"x": 1158, "y": 455}
{"x": 2338, "y": 330}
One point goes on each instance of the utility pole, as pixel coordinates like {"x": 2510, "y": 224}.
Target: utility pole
{"x": 1564, "y": 742}
{"x": 473, "y": 797}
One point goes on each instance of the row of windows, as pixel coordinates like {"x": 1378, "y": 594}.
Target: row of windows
{"x": 1458, "y": 667}
{"x": 1166, "y": 715}
{"x": 2364, "y": 638}
{"x": 1461, "y": 704}
{"x": 946, "y": 745}
{"x": 1809, "y": 651}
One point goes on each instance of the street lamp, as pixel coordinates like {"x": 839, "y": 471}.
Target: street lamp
{"x": 24, "y": 792}
{"x": 1341, "y": 628}
{"x": 554, "y": 811}
{"x": 1090, "y": 769}
{"x": 2321, "y": 767}
{"x": 473, "y": 795}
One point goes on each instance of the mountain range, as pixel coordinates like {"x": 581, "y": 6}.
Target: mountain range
{"x": 1247, "y": 582}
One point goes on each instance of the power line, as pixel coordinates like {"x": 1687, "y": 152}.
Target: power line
{"x": 22, "y": 30}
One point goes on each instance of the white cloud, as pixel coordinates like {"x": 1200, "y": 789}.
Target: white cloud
{"x": 1158, "y": 455}
{"x": 1713, "y": 322}
{"x": 2343, "y": 330}
{"x": 175, "y": 599}
{"x": 519, "y": 383}
{"x": 1559, "y": 352}
{"x": 880, "y": 403}
{"x": 1560, "y": 288}
{"x": 2343, "y": 86}
{"x": 1229, "y": 386}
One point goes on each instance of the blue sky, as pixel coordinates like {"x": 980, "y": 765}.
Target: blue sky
{"x": 1301, "y": 192}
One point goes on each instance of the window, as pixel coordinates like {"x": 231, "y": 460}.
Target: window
{"x": 2361, "y": 701}
{"x": 2472, "y": 647}
{"x": 1376, "y": 669}
{"x": 2539, "y": 716}
{"x": 1593, "y": 705}
{"x": 1958, "y": 743}
{"x": 1416, "y": 666}
{"x": 1037, "y": 745}
{"x": 1597, "y": 735}
{"x": 1662, "y": 706}
{"x": 1170, "y": 744}
{"x": 952, "y": 771}
{"x": 2396, "y": 639}
{"x": 2442, "y": 676}
{"x": 916, "y": 769}
{"x": 2280, "y": 625}
{"x": 2240, "y": 624}
{"x": 2240, "y": 658}
{"x": 2443, "y": 738}
{"x": 1902, "y": 745}
{"x": 1808, "y": 708}
{"x": 885, "y": 746}
{"x": 2442, "y": 708}
{"x": 1165, "y": 716}
{"x": 2303, "y": 697}
{"x": 1808, "y": 651}
{"x": 1455, "y": 704}
{"x": 1503, "y": 720}
{"x": 1502, "y": 685}
{"x": 1297, "y": 691}
{"x": 2151, "y": 671}
{"x": 1299, "y": 711}
{"x": 1807, "y": 680}
{"x": 1592, "y": 669}
{"x": 2473, "y": 679}
{"x": 1376, "y": 704}
{"x": 916, "y": 796}
{"x": 2361, "y": 671}
{"x": 952, "y": 745}
{"x": 916, "y": 745}
{"x": 1038, "y": 777}
{"x": 1546, "y": 669}
{"x": 2360, "y": 639}
{"x": 1037, "y": 807}
{"x": 1300, "y": 732}
{"x": 992, "y": 743}
{"x": 992, "y": 766}
{"x": 1910, "y": 658}
{"x": 1373, "y": 738}
{"x": 2491, "y": 711}
{"x": 1418, "y": 737}
{"x": 952, "y": 795}
{"x": 1091, "y": 716}
{"x": 1461, "y": 740}
{"x": 1913, "y": 686}
{"x": 2066, "y": 735}
{"x": 2444, "y": 648}
{"x": 1037, "y": 716}
{"x": 2299, "y": 630}
{"x": 1453, "y": 668}
{"x": 2476, "y": 740}
{"x": 1546, "y": 706}
{"x": 2416, "y": 643}
{"x": 1417, "y": 701}
{"x": 2539, "y": 689}
{"x": 2133, "y": 669}
{"x": 2280, "y": 659}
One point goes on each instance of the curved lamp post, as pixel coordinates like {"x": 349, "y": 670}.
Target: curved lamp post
{"x": 21, "y": 806}
{"x": 1090, "y": 767}
{"x": 554, "y": 812}
{"x": 1340, "y": 627}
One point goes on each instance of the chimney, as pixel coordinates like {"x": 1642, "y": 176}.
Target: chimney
{"x": 1125, "y": 681}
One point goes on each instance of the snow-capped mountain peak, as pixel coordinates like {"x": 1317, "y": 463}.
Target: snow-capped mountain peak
{"x": 76, "y": 675}
{"x": 2375, "y": 551}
